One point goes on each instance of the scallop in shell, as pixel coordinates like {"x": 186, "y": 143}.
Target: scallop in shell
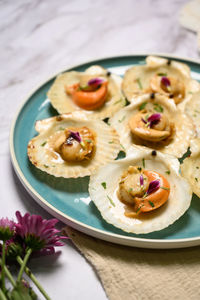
{"x": 180, "y": 128}
{"x": 44, "y": 150}
{"x": 191, "y": 166}
{"x": 104, "y": 192}
{"x": 192, "y": 108}
{"x": 63, "y": 102}
{"x": 160, "y": 75}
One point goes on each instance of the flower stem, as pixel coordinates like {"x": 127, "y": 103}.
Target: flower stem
{"x": 21, "y": 271}
{"x": 2, "y": 295}
{"x": 33, "y": 278}
{"x": 8, "y": 274}
{"x": 3, "y": 263}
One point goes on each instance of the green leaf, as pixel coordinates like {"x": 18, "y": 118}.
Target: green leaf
{"x": 142, "y": 106}
{"x": 157, "y": 107}
{"x": 111, "y": 201}
{"x": 151, "y": 203}
{"x": 139, "y": 83}
{"x": 103, "y": 185}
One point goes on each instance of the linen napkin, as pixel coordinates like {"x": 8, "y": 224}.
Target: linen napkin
{"x": 141, "y": 274}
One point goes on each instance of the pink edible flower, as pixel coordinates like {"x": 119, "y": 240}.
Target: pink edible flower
{"x": 153, "y": 186}
{"x": 38, "y": 233}
{"x": 165, "y": 81}
{"x": 95, "y": 81}
{"x": 141, "y": 180}
{"x": 152, "y": 120}
{"x": 75, "y": 135}
{"x": 7, "y": 228}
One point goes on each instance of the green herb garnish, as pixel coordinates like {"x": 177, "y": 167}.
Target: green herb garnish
{"x": 111, "y": 201}
{"x": 143, "y": 162}
{"x": 142, "y": 106}
{"x": 162, "y": 74}
{"x": 82, "y": 145}
{"x": 123, "y": 147}
{"x": 103, "y": 185}
{"x": 151, "y": 203}
{"x": 157, "y": 107}
{"x": 196, "y": 179}
{"x": 61, "y": 128}
{"x": 139, "y": 169}
{"x": 168, "y": 172}
{"x": 164, "y": 188}
{"x": 43, "y": 144}
{"x": 197, "y": 167}
{"x": 110, "y": 142}
{"x": 46, "y": 166}
{"x": 139, "y": 83}
{"x": 122, "y": 119}
{"x": 130, "y": 190}
{"x": 88, "y": 141}
{"x": 118, "y": 101}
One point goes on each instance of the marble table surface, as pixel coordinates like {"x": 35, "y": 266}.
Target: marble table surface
{"x": 40, "y": 38}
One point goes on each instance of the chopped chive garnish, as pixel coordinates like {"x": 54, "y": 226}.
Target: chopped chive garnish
{"x": 103, "y": 185}
{"x": 111, "y": 201}
{"x": 130, "y": 190}
{"x": 118, "y": 101}
{"x": 122, "y": 119}
{"x": 123, "y": 148}
{"x": 164, "y": 188}
{"x": 82, "y": 145}
{"x": 197, "y": 167}
{"x": 139, "y": 83}
{"x": 162, "y": 74}
{"x": 196, "y": 179}
{"x": 139, "y": 169}
{"x": 139, "y": 208}
{"x": 167, "y": 172}
{"x": 143, "y": 162}
{"x": 151, "y": 203}
{"x": 142, "y": 106}
{"x": 157, "y": 107}
{"x": 43, "y": 144}
{"x": 110, "y": 142}
{"x": 190, "y": 92}
{"x": 46, "y": 166}
{"x": 89, "y": 141}
{"x": 61, "y": 128}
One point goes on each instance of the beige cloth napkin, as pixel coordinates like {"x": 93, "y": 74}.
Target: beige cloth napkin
{"x": 129, "y": 273}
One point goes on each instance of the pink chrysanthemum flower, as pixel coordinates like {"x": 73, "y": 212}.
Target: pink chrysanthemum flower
{"x": 38, "y": 233}
{"x": 7, "y": 228}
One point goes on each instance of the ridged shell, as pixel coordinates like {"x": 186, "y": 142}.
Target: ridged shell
{"x": 64, "y": 104}
{"x": 184, "y": 127}
{"x": 190, "y": 168}
{"x": 43, "y": 156}
{"x": 154, "y": 65}
{"x": 192, "y": 108}
{"x": 112, "y": 209}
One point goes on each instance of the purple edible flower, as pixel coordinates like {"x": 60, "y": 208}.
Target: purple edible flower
{"x": 7, "y": 228}
{"x": 153, "y": 186}
{"x": 75, "y": 135}
{"x": 152, "y": 120}
{"x": 95, "y": 81}
{"x": 165, "y": 81}
{"x": 141, "y": 180}
{"x": 38, "y": 233}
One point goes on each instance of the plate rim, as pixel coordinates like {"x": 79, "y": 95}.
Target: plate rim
{"x": 87, "y": 229}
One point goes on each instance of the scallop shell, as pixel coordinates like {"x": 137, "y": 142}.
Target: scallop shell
{"x": 192, "y": 108}
{"x": 154, "y": 65}
{"x": 184, "y": 128}
{"x": 43, "y": 156}
{"x": 112, "y": 209}
{"x": 64, "y": 104}
{"x": 190, "y": 168}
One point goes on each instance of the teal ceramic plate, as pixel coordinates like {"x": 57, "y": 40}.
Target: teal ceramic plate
{"x": 68, "y": 199}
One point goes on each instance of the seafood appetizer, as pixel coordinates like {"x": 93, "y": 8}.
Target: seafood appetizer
{"x": 160, "y": 75}
{"x": 190, "y": 168}
{"x": 142, "y": 193}
{"x": 192, "y": 108}
{"x": 72, "y": 145}
{"x": 154, "y": 122}
{"x": 96, "y": 91}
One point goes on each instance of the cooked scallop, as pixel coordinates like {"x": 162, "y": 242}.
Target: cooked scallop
{"x": 141, "y": 193}
{"x": 154, "y": 122}
{"x": 96, "y": 91}
{"x": 160, "y": 75}
{"x": 190, "y": 168}
{"x": 72, "y": 145}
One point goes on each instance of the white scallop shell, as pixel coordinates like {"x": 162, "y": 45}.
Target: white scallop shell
{"x": 43, "y": 156}
{"x": 192, "y": 108}
{"x": 64, "y": 104}
{"x": 112, "y": 209}
{"x": 184, "y": 127}
{"x": 154, "y": 65}
{"x": 191, "y": 166}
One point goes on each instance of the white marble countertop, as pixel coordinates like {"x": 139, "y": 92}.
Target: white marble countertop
{"x": 40, "y": 38}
